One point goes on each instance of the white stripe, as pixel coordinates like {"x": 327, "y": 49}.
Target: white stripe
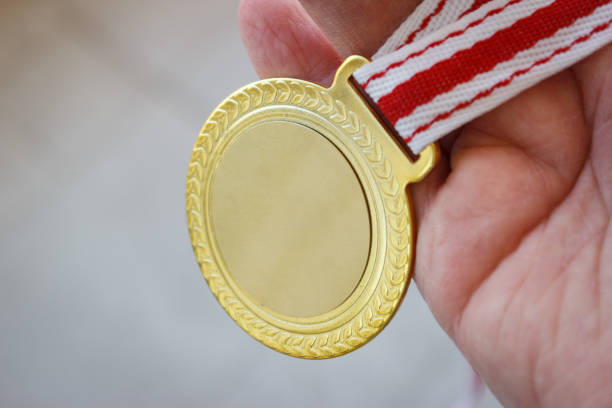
{"x": 544, "y": 48}
{"x": 384, "y": 85}
{"x": 412, "y": 23}
{"x": 450, "y": 14}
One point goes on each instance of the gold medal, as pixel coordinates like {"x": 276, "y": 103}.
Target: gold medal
{"x": 299, "y": 214}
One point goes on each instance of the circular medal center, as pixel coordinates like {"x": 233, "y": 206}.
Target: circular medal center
{"x": 290, "y": 219}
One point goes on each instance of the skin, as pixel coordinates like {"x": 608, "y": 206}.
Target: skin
{"x": 514, "y": 255}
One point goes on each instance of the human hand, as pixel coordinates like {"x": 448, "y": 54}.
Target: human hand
{"x": 514, "y": 254}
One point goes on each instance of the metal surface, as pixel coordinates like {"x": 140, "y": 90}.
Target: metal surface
{"x": 290, "y": 219}
{"x": 382, "y": 170}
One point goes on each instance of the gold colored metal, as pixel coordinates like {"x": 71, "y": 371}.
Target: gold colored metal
{"x": 299, "y": 216}
{"x": 270, "y": 238}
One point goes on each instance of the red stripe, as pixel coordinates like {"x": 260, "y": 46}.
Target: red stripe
{"x": 483, "y": 56}
{"x": 436, "y": 43}
{"x": 508, "y": 80}
{"x": 424, "y": 23}
{"x": 475, "y": 6}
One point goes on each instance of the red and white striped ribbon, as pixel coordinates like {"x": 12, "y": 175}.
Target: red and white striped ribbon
{"x": 427, "y": 18}
{"x": 453, "y": 60}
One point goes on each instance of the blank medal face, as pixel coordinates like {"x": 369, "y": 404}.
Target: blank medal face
{"x": 290, "y": 219}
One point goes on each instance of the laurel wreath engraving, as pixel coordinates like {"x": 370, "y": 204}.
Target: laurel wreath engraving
{"x": 379, "y": 310}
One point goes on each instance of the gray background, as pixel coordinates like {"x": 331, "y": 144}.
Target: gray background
{"x": 101, "y": 301}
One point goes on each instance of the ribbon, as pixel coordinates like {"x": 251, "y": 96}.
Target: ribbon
{"x": 454, "y": 60}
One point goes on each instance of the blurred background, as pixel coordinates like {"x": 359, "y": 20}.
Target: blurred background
{"x": 101, "y": 300}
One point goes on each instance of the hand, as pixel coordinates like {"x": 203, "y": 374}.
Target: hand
{"x": 514, "y": 254}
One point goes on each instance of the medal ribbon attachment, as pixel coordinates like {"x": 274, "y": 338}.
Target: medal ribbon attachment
{"x": 452, "y": 61}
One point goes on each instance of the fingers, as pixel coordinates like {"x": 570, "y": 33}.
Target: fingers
{"x": 508, "y": 170}
{"x": 283, "y": 41}
{"x": 424, "y": 192}
{"x": 358, "y": 26}
{"x": 594, "y": 76}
